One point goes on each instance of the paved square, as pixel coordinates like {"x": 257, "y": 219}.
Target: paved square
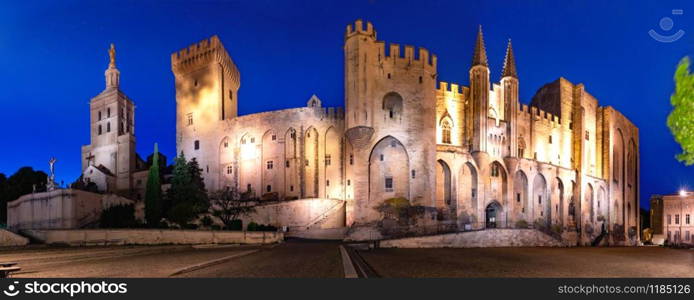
{"x": 532, "y": 262}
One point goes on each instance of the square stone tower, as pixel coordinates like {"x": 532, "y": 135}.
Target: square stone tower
{"x": 207, "y": 85}
{"x": 112, "y": 119}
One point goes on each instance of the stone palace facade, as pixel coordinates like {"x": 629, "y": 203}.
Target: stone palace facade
{"x": 475, "y": 153}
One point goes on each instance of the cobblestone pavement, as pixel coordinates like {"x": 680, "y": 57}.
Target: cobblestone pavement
{"x": 289, "y": 259}
{"x": 292, "y": 259}
{"x": 112, "y": 261}
{"x": 532, "y": 262}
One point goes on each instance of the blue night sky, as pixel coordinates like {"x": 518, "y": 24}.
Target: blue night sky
{"x": 53, "y": 55}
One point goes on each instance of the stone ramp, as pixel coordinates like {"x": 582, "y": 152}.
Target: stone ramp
{"x": 10, "y": 239}
{"x": 337, "y": 234}
{"x": 477, "y": 239}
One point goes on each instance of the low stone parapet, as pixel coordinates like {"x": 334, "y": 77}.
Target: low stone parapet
{"x": 86, "y": 237}
{"x": 477, "y": 239}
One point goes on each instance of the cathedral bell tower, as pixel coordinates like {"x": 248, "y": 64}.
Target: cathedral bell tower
{"x": 111, "y": 152}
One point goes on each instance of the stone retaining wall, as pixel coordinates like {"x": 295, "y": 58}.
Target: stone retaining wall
{"x": 477, "y": 239}
{"x": 151, "y": 237}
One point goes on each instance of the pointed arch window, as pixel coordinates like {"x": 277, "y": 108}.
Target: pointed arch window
{"x": 446, "y": 132}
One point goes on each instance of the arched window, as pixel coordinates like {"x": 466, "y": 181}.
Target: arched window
{"x": 392, "y": 104}
{"x": 446, "y": 132}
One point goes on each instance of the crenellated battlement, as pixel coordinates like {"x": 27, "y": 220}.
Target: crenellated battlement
{"x": 454, "y": 88}
{"x": 358, "y": 28}
{"x": 536, "y": 114}
{"x": 201, "y": 54}
{"x": 407, "y": 57}
{"x": 335, "y": 113}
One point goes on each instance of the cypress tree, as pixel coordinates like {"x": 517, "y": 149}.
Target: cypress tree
{"x": 153, "y": 200}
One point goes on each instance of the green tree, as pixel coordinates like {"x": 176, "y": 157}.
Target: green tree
{"x": 681, "y": 119}
{"x": 187, "y": 196}
{"x": 198, "y": 185}
{"x": 22, "y": 182}
{"x": 153, "y": 205}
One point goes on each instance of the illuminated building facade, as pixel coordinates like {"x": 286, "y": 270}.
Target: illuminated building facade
{"x": 474, "y": 153}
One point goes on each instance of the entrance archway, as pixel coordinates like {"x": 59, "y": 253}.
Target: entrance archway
{"x": 493, "y": 215}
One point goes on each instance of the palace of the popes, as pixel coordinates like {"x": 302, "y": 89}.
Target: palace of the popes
{"x": 466, "y": 157}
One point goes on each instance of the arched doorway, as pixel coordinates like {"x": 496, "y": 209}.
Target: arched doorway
{"x": 443, "y": 185}
{"x": 493, "y": 214}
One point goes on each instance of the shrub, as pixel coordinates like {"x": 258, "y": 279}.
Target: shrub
{"x": 556, "y": 228}
{"x": 252, "y": 226}
{"x": 190, "y": 226}
{"x": 291, "y": 198}
{"x": 397, "y": 202}
{"x": 119, "y": 216}
{"x": 521, "y": 224}
{"x": 235, "y": 225}
{"x": 272, "y": 196}
{"x": 215, "y": 227}
{"x": 182, "y": 213}
{"x": 206, "y": 221}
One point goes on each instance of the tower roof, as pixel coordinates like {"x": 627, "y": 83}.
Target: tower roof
{"x": 509, "y": 63}
{"x": 480, "y": 55}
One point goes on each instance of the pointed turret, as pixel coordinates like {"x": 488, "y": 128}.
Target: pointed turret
{"x": 478, "y": 107}
{"x": 509, "y": 69}
{"x": 480, "y": 55}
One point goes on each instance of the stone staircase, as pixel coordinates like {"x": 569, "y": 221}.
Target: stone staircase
{"x": 319, "y": 220}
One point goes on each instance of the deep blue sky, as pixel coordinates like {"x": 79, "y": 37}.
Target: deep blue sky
{"x": 53, "y": 55}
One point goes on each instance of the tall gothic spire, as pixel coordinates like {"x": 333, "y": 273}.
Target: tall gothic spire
{"x": 480, "y": 55}
{"x": 509, "y": 63}
{"x": 112, "y": 74}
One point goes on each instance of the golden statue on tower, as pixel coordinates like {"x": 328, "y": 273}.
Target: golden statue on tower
{"x": 112, "y": 54}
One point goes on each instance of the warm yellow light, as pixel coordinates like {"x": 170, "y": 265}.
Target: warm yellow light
{"x": 249, "y": 151}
